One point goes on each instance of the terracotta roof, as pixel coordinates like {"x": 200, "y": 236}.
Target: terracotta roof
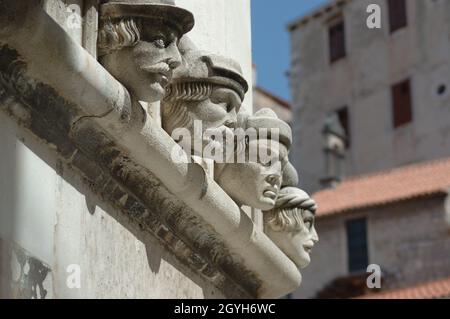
{"x": 430, "y": 290}
{"x": 385, "y": 187}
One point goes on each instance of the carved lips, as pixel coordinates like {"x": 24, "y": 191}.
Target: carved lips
{"x": 271, "y": 192}
{"x": 161, "y": 70}
{"x": 308, "y": 246}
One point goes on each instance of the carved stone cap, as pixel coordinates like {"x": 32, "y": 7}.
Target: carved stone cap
{"x": 201, "y": 66}
{"x": 266, "y": 118}
{"x": 293, "y": 197}
{"x": 159, "y": 9}
{"x": 290, "y": 176}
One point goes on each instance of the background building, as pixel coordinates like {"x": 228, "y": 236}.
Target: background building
{"x": 389, "y": 90}
{"x": 390, "y": 87}
{"x": 262, "y": 98}
{"x": 397, "y": 219}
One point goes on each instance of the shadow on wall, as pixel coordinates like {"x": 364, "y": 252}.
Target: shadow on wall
{"x": 10, "y": 171}
{"x": 8, "y": 189}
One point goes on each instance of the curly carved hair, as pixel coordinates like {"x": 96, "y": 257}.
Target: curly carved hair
{"x": 286, "y": 216}
{"x": 115, "y": 34}
{"x": 173, "y": 107}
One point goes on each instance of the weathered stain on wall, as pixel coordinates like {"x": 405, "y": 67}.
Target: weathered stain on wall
{"x": 118, "y": 259}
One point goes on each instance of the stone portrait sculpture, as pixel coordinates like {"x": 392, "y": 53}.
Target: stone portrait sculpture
{"x": 112, "y": 132}
{"x": 256, "y": 182}
{"x": 290, "y": 176}
{"x": 205, "y": 95}
{"x": 290, "y": 225}
{"x": 138, "y": 43}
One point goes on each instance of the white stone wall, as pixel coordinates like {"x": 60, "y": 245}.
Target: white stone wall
{"x": 410, "y": 241}
{"x": 375, "y": 60}
{"x": 47, "y": 210}
{"x": 224, "y": 27}
{"x": 50, "y": 213}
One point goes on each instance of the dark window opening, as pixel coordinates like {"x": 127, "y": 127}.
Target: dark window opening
{"x": 358, "y": 259}
{"x": 441, "y": 89}
{"x": 344, "y": 119}
{"x": 401, "y": 103}
{"x": 337, "y": 41}
{"x": 397, "y": 14}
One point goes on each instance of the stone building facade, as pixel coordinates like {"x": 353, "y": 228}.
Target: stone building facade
{"x": 339, "y": 65}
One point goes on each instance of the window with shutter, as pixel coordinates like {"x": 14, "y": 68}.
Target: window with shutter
{"x": 397, "y": 14}
{"x": 344, "y": 119}
{"x": 337, "y": 41}
{"x": 358, "y": 259}
{"x": 401, "y": 103}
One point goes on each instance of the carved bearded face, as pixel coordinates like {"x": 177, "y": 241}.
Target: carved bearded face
{"x": 254, "y": 183}
{"x": 143, "y": 62}
{"x": 212, "y": 115}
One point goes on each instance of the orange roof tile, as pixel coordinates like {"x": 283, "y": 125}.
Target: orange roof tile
{"x": 430, "y": 290}
{"x": 385, "y": 187}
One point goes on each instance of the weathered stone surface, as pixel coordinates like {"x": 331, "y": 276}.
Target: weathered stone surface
{"x": 99, "y": 129}
{"x": 253, "y": 182}
{"x": 196, "y": 96}
{"x": 101, "y": 183}
{"x": 290, "y": 225}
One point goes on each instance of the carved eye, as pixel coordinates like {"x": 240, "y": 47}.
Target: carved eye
{"x": 267, "y": 164}
{"x": 160, "y": 43}
{"x": 225, "y": 106}
{"x": 308, "y": 223}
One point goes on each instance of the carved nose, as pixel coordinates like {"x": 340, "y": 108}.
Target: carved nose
{"x": 315, "y": 237}
{"x": 273, "y": 179}
{"x": 230, "y": 124}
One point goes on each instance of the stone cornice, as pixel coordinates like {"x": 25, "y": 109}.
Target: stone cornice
{"x": 81, "y": 109}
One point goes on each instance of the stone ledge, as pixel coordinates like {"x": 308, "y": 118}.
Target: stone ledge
{"x": 161, "y": 224}
{"x": 125, "y": 158}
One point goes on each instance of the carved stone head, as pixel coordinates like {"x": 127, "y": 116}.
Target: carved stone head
{"x": 290, "y": 225}
{"x": 254, "y": 179}
{"x": 290, "y": 176}
{"x": 138, "y": 43}
{"x": 207, "y": 90}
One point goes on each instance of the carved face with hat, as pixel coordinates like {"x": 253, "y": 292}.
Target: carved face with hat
{"x": 256, "y": 180}
{"x": 138, "y": 43}
{"x": 208, "y": 88}
{"x": 290, "y": 225}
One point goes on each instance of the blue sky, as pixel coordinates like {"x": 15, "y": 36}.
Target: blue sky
{"x": 271, "y": 47}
